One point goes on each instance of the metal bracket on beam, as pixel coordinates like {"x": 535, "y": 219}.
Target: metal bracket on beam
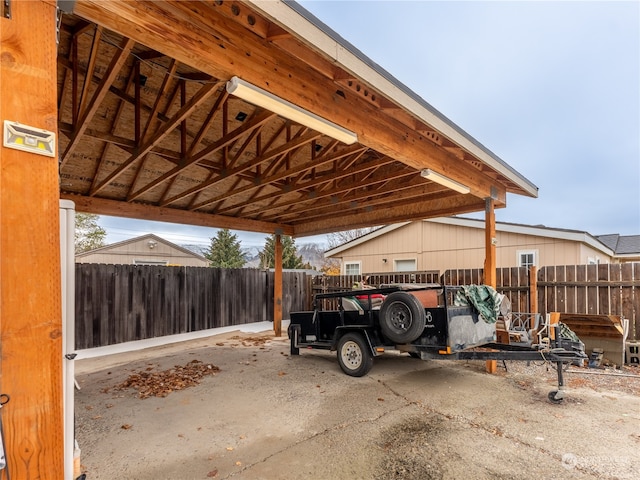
{"x": 6, "y": 9}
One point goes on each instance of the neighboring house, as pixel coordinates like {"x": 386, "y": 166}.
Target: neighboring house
{"x": 145, "y": 250}
{"x": 459, "y": 243}
{"x": 626, "y": 247}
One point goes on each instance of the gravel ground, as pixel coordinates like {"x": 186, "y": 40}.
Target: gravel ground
{"x": 267, "y": 415}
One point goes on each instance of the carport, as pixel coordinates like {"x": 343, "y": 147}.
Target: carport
{"x": 247, "y": 115}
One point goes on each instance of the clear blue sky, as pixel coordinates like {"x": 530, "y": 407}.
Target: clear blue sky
{"x": 552, "y": 88}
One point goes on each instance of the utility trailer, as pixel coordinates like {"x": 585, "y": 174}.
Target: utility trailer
{"x": 427, "y": 322}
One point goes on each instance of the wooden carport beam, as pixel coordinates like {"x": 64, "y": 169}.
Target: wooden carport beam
{"x": 414, "y": 210}
{"x": 224, "y": 49}
{"x": 116, "y": 208}
{"x": 490, "y": 241}
{"x": 30, "y": 292}
{"x": 490, "y": 279}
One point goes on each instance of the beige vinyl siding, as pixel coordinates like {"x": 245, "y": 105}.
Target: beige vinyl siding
{"x": 440, "y": 246}
{"x": 138, "y": 251}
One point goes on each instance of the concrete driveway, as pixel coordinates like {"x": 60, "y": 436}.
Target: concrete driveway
{"x": 268, "y": 415}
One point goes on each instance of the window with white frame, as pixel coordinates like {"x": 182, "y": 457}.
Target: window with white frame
{"x": 352, "y": 268}
{"x": 527, "y": 258}
{"x": 406, "y": 265}
{"x": 150, "y": 262}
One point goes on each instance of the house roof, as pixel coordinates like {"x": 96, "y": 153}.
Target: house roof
{"x": 604, "y": 243}
{"x": 622, "y": 244}
{"x": 148, "y": 237}
{"x": 149, "y": 130}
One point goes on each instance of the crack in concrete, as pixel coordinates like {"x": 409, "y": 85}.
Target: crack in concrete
{"x": 326, "y": 431}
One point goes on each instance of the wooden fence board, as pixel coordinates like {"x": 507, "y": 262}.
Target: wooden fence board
{"x": 571, "y": 298}
{"x": 631, "y": 300}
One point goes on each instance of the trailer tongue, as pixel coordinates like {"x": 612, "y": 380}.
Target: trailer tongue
{"x": 427, "y": 322}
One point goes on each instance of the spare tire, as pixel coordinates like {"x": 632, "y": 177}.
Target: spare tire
{"x": 402, "y": 317}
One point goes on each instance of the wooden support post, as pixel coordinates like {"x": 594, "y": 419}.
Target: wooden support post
{"x": 490, "y": 259}
{"x": 277, "y": 287}
{"x": 30, "y": 286}
{"x": 490, "y": 242}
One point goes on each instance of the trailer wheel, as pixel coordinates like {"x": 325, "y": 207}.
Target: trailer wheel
{"x": 552, "y": 396}
{"x": 402, "y": 317}
{"x": 354, "y": 356}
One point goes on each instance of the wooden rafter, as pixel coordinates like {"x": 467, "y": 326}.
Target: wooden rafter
{"x": 276, "y": 152}
{"x": 406, "y": 211}
{"x": 297, "y": 185}
{"x": 343, "y": 194}
{"x": 204, "y": 93}
{"x": 101, "y": 91}
{"x": 91, "y": 64}
{"x": 187, "y": 162}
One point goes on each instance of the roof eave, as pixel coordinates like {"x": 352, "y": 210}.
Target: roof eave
{"x": 324, "y": 40}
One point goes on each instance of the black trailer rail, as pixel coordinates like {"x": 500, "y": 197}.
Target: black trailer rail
{"x": 503, "y": 352}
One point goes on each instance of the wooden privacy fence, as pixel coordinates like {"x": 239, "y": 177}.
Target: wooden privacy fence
{"x": 607, "y": 289}
{"x": 121, "y": 303}
{"x": 513, "y": 282}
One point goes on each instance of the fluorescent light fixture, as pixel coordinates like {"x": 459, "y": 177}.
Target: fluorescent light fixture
{"x": 445, "y": 181}
{"x": 29, "y": 139}
{"x": 264, "y": 99}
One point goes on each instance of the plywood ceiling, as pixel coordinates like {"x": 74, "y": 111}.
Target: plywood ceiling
{"x": 147, "y": 129}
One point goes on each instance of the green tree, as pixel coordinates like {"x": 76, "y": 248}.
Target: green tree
{"x": 225, "y": 251}
{"x": 290, "y": 257}
{"x": 88, "y": 234}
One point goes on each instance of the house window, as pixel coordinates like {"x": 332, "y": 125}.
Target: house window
{"x": 527, "y": 258}
{"x": 150, "y": 262}
{"x": 352, "y": 268}
{"x": 406, "y": 265}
